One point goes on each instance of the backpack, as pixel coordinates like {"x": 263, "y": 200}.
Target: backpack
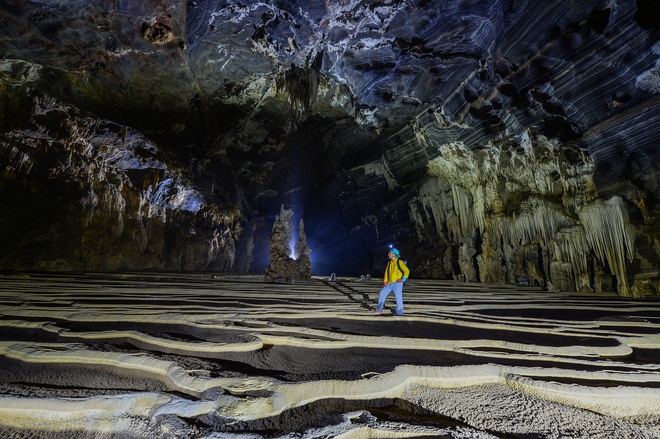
{"x": 398, "y": 265}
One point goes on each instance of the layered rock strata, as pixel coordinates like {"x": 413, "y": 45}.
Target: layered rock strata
{"x": 175, "y": 355}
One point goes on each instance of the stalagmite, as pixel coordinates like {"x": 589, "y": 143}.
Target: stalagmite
{"x": 283, "y": 267}
{"x": 301, "y": 253}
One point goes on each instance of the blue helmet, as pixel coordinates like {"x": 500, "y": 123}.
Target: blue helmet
{"x": 396, "y": 252}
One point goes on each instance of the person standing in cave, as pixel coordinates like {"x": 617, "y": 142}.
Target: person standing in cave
{"x": 396, "y": 274}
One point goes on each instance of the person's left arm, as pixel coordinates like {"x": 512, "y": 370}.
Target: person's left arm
{"x": 406, "y": 271}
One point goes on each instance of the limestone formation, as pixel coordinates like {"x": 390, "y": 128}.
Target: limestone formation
{"x": 302, "y": 254}
{"x": 102, "y": 198}
{"x": 287, "y": 264}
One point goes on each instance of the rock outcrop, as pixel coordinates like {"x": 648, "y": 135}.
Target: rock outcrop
{"x": 287, "y": 263}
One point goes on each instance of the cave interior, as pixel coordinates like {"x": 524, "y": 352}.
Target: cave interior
{"x": 491, "y": 141}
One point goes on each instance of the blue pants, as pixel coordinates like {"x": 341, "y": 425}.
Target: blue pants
{"x": 397, "y": 288}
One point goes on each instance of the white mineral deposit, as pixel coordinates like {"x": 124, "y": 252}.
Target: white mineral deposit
{"x": 228, "y": 356}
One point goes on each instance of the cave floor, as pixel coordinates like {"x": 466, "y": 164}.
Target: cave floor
{"x": 223, "y": 355}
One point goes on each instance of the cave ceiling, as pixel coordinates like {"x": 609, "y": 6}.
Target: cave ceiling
{"x": 494, "y": 141}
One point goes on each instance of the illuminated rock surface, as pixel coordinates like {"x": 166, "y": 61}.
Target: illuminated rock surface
{"x": 288, "y": 261}
{"x": 169, "y": 355}
{"x": 491, "y": 141}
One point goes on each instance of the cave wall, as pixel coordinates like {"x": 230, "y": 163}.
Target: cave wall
{"x": 541, "y": 171}
{"x": 84, "y": 194}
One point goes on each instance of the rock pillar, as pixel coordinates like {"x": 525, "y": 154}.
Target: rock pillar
{"x": 283, "y": 267}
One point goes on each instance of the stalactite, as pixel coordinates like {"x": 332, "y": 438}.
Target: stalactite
{"x": 479, "y": 205}
{"x": 431, "y": 199}
{"x": 463, "y": 208}
{"x": 302, "y": 86}
{"x": 611, "y": 236}
{"x": 18, "y": 160}
{"x": 534, "y": 162}
{"x": 487, "y": 185}
{"x": 537, "y": 221}
{"x": 571, "y": 250}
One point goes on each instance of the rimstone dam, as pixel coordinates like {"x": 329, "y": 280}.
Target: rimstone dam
{"x": 197, "y": 200}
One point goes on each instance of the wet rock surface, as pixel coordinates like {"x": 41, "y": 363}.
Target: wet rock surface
{"x": 200, "y": 355}
{"x": 490, "y": 141}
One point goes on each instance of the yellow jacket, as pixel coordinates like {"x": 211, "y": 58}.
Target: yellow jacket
{"x": 393, "y": 273}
